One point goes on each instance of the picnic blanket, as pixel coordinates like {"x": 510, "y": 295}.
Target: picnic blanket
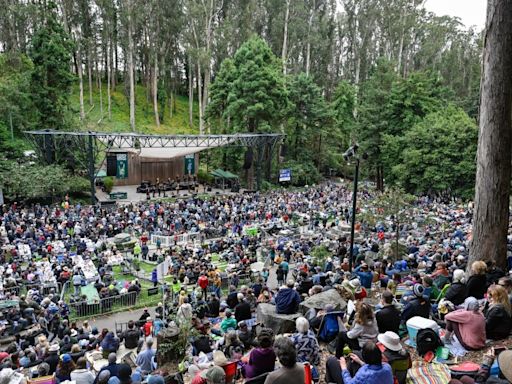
{"x": 91, "y": 293}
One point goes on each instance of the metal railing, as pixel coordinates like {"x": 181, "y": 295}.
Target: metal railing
{"x": 103, "y": 306}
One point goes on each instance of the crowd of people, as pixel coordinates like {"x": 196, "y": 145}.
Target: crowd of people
{"x": 371, "y": 340}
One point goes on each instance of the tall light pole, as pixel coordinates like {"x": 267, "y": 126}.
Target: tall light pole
{"x": 351, "y": 153}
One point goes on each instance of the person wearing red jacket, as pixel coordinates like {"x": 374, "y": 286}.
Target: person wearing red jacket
{"x": 203, "y": 283}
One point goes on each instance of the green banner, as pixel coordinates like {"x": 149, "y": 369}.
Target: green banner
{"x": 122, "y": 166}
{"x": 190, "y": 164}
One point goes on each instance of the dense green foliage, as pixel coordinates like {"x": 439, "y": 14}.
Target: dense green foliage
{"x": 51, "y": 81}
{"x": 437, "y": 154}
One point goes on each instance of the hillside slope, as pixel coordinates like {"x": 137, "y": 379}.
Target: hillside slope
{"x": 144, "y": 116}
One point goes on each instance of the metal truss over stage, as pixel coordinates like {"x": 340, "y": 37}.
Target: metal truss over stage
{"x": 89, "y": 147}
{"x": 137, "y": 140}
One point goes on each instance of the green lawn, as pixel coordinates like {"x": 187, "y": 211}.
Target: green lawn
{"x": 144, "y": 115}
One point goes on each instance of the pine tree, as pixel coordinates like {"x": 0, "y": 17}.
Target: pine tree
{"x": 51, "y": 81}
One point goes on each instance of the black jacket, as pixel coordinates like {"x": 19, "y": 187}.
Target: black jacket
{"x": 243, "y": 311}
{"x": 131, "y": 338}
{"x": 416, "y": 307}
{"x": 213, "y": 308}
{"x": 388, "y": 319}
{"x": 52, "y": 360}
{"x": 477, "y": 286}
{"x": 457, "y": 293}
{"x": 498, "y": 323}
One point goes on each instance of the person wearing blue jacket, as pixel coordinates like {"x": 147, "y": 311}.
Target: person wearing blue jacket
{"x": 372, "y": 370}
{"x": 154, "y": 277}
{"x": 365, "y": 276}
{"x": 287, "y": 299}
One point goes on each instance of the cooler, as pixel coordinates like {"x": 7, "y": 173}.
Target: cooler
{"x": 416, "y": 323}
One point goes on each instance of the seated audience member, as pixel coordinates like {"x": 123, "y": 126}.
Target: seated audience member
{"x": 365, "y": 329}
{"x": 229, "y": 322}
{"x": 418, "y": 306}
{"x": 306, "y": 343}
{"x": 262, "y": 358}
{"x": 498, "y": 320}
{"x": 388, "y": 318}
{"x": 457, "y": 291}
{"x": 506, "y": 282}
{"x": 477, "y": 282}
{"x": 468, "y": 324}
{"x": 372, "y": 369}
{"x": 290, "y": 371}
{"x": 287, "y": 299}
{"x": 395, "y": 355}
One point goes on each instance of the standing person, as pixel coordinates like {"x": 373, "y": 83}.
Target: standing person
{"x": 280, "y": 275}
{"x": 203, "y": 284}
{"x": 290, "y": 371}
{"x": 147, "y": 328}
{"x": 154, "y": 277}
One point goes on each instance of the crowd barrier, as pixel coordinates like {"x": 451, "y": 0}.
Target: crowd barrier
{"x": 167, "y": 241}
{"x": 104, "y": 305}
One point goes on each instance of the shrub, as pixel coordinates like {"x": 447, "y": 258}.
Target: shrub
{"x": 109, "y": 183}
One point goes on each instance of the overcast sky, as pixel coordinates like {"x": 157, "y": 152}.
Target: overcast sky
{"x": 471, "y": 12}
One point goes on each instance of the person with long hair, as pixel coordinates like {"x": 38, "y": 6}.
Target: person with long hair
{"x": 498, "y": 319}
{"x": 65, "y": 367}
{"x": 365, "y": 329}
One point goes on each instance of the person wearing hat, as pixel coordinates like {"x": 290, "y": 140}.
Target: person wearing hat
{"x": 287, "y": 299}
{"x": 418, "y": 306}
{"x": 65, "y": 367}
{"x": 395, "y": 355}
{"x": 53, "y": 358}
{"x": 214, "y": 375}
{"x": 457, "y": 292}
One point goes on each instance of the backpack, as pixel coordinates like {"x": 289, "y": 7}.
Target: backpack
{"x": 330, "y": 327}
{"x": 427, "y": 340}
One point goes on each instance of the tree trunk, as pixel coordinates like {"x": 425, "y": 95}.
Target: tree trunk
{"x": 89, "y": 73}
{"x": 308, "y": 45}
{"x": 494, "y": 155}
{"x": 109, "y": 74}
{"x": 284, "y": 51}
{"x": 155, "y": 91}
{"x": 131, "y": 73}
{"x": 80, "y": 83}
{"x": 200, "y": 99}
{"x": 190, "y": 94}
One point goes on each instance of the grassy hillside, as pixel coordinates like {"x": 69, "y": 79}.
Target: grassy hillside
{"x": 144, "y": 116}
